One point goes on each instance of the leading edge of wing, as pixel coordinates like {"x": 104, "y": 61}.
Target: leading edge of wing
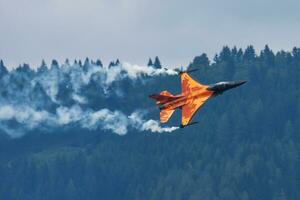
{"x": 188, "y": 83}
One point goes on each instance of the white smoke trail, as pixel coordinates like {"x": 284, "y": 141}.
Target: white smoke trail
{"x": 23, "y": 115}
{"x": 135, "y": 71}
{"x": 149, "y": 125}
{"x": 50, "y": 82}
{"x": 153, "y": 126}
{"x": 104, "y": 119}
{"x": 51, "y": 98}
{"x": 78, "y": 76}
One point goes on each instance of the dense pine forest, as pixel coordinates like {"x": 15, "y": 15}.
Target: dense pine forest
{"x": 245, "y": 146}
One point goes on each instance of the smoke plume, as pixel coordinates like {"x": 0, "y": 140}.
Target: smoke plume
{"x": 87, "y": 95}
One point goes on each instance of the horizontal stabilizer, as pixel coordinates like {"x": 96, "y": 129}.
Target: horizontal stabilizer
{"x": 166, "y": 93}
{"x": 162, "y": 97}
{"x": 165, "y": 115}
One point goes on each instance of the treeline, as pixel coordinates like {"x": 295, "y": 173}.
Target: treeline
{"x": 87, "y": 62}
{"x": 246, "y": 145}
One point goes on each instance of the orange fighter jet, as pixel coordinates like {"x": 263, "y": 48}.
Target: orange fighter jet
{"x": 193, "y": 95}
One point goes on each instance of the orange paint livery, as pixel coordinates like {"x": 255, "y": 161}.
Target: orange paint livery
{"x": 193, "y": 96}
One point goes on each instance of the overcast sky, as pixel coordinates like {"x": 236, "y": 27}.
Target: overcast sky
{"x": 134, "y": 30}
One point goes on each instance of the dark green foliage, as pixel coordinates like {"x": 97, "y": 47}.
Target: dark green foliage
{"x": 157, "y": 63}
{"x": 111, "y": 64}
{"x": 225, "y": 55}
{"x": 67, "y": 62}
{"x": 99, "y": 63}
{"x": 200, "y": 61}
{"x": 246, "y": 145}
{"x": 249, "y": 54}
{"x": 54, "y": 63}
{"x": 150, "y": 63}
{"x": 86, "y": 62}
{"x": 3, "y": 69}
{"x": 268, "y": 56}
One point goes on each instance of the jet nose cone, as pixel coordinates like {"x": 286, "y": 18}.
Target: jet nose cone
{"x": 234, "y": 84}
{"x": 238, "y": 83}
{"x": 220, "y": 87}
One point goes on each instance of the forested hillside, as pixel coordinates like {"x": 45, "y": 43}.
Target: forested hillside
{"x": 245, "y": 146}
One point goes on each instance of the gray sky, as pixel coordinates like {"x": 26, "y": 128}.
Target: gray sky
{"x": 134, "y": 30}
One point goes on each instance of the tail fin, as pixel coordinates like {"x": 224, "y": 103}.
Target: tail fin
{"x": 165, "y": 115}
{"x": 162, "y": 97}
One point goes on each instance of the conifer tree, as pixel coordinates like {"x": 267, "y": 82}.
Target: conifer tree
{"x": 86, "y": 64}
{"x": 157, "y": 63}
{"x": 3, "y": 69}
{"x": 225, "y": 54}
{"x": 150, "y": 63}
{"x": 200, "y": 61}
{"x": 54, "y": 64}
{"x": 86, "y": 61}
{"x": 249, "y": 54}
{"x": 111, "y": 64}
{"x": 67, "y": 62}
{"x": 99, "y": 63}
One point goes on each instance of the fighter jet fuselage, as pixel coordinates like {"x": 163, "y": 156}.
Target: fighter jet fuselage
{"x": 183, "y": 99}
{"x": 192, "y": 97}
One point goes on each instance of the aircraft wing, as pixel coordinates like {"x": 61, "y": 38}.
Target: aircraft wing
{"x": 189, "y": 87}
{"x": 188, "y": 84}
{"x": 189, "y": 110}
